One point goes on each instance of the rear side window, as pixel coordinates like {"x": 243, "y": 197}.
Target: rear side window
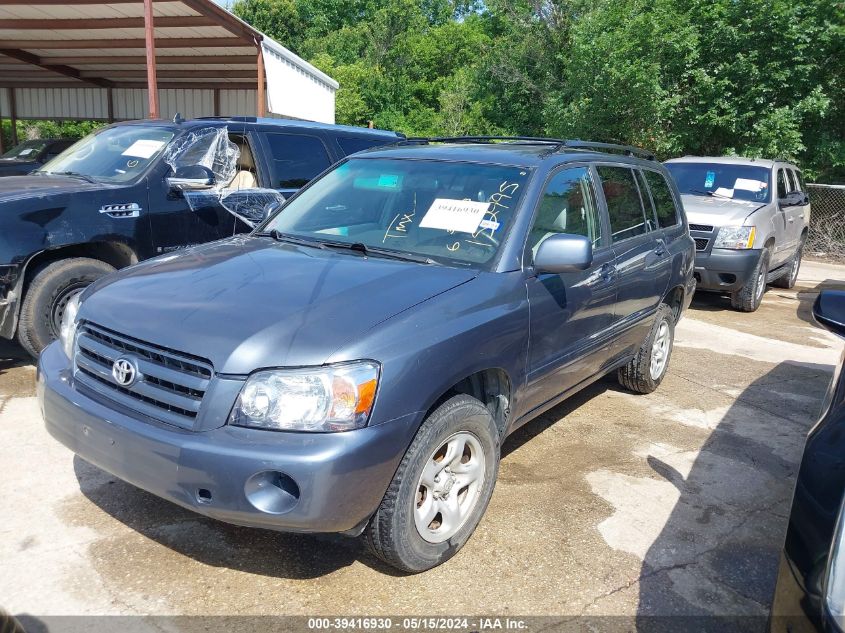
{"x": 797, "y": 184}
{"x": 295, "y": 159}
{"x": 352, "y": 144}
{"x": 661, "y": 195}
{"x": 624, "y": 207}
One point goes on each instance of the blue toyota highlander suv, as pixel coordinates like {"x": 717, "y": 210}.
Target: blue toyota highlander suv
{"x": 355, "y": 363}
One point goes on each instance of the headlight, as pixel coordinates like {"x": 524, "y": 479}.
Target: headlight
{"x": 834, "y": 593}
{"x": 331, "y": 398}
{"x": 734, "y": 237}
{"x": 67, "y": 331}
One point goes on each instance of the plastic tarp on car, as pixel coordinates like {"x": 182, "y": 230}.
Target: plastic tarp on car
{"x": 212, "y": 149}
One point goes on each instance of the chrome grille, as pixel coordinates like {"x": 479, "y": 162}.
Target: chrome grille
{"x": 706, "y": 228}
{"x": 169, "y": 387}
{"x": 701, "y": 243}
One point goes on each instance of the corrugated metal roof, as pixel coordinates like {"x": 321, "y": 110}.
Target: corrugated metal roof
{"x": 98, "y": 44}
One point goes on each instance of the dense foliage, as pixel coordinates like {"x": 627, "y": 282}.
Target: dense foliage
{"x": 46, "y": 129}
{"x": 754, "y": 77}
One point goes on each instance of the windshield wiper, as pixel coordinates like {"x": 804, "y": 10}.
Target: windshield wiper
{"x": 348, "y": 246}
{"x": 381, "y": 252}
{"x": 710, "y": 193}
{"x": 291, "y": 239}
{"x": 72, "y": 174}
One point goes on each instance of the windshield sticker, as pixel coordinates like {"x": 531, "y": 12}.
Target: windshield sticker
{"x": 143, "y": 148}
{"x": 724, "y": 192}
{"x": 26, "y": 152}
{"x": 489, "y": 224}
{"x": 462, "y": 216}
{"x": 710, "y": 179}
{"x": 388, "y": 181}
{"x": 746, "y": 184}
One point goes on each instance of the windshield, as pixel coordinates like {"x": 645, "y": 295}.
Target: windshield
{"x": 27, "y": 150}
{"x": 737, "y": 182}
{"x": 450, "y": 211}
{"x": 116, "y": 154}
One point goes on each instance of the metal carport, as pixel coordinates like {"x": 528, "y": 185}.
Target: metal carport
{"x": 130, "y": 59}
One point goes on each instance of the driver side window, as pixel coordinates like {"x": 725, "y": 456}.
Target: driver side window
{"x": 568, "y": 205}
{"x": 782, "y": 187}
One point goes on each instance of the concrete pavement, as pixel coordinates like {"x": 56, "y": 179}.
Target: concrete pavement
{"x": 609, "y": 504}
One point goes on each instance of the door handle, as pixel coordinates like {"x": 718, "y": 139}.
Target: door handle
{"x": 791, "y": 220}
{"x": 660, "y": 250}
{"x": 608, "y": 272}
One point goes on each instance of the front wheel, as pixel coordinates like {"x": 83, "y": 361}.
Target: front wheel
{"x": 749, "y": 297}
{"x": 48, "y": 295}
{"x": 440, "y": 490}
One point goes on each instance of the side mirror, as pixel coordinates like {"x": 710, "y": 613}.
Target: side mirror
{"x": 794, "y": 199}
{"x": 270, "y": 210}
{"x": 191, "y": 178}
{"x": 564, "y": 253}
{"x": 829, "y": 311}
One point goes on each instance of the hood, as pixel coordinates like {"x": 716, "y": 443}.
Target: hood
{"x": 249, "y": 302}
{"x": 14, "y": 188}
{"x": 14, "y": 167}
{"x": 718, "y": 211}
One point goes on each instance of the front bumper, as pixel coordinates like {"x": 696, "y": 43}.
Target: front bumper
{"x": 223, "y": 473}
{"x": 725, "y": 269}
{"x": 9, "y": 288}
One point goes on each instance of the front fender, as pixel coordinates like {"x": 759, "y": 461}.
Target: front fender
{"x": 426, "y": 350}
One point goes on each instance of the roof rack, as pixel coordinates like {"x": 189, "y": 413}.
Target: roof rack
{"x": 243, "y": 119}
{"x": 627, "y": 150}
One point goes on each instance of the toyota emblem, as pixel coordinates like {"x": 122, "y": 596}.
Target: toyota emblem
{"x": 124, "y": 372}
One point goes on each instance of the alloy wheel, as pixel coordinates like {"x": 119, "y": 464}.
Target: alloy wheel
{"x": 449, "y": 487}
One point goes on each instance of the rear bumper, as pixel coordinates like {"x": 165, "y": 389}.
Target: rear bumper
{"x": 724, "y": 269}
{"x": 233, "y": 474}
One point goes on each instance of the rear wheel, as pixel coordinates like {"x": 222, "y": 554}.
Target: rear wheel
{"x": 748, "y": 298}
{"x": 788, "y": 280}
{"x": 646, "y": 371}
{"x": 48, "y": 295}
{"x": 440, "y": 490}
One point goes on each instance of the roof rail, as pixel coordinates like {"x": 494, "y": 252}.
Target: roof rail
{"x": 627, "y": 150}
{"x": 483, "y": 139}
{"x": 243, "y": 119}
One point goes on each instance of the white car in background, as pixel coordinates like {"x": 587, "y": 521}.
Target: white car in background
{"x": 749, "y": 218}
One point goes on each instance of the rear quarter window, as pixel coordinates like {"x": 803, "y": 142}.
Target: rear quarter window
{"x": 664, "y": 202}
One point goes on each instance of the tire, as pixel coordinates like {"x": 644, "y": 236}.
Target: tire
{"x": 49, "y": 292}
{"x": 748, "y": 298}
{"x": 393, "y": 534}
{"x": 641, "y": 375}
{"x": 788, "y": 280}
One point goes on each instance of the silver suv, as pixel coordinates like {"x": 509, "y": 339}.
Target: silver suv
{"x": 749, "y": 219}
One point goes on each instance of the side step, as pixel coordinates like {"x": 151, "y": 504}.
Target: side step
{"x": 778, "y": 272}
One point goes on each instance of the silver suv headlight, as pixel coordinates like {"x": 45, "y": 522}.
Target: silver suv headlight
{"x": 735, "y": 237}
{"x": 834, "y": 592}
{"x": 67, "y": 330}
{"x": 323, "y": 399}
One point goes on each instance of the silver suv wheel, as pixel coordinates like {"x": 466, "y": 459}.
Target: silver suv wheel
{"x": 449, "y": 487}
{"x": 660, "y": 351}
